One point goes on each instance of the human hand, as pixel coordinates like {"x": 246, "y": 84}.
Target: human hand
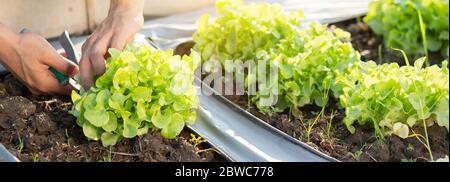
{"x": 124, "y": 20}
{"x": 29, "y": 60}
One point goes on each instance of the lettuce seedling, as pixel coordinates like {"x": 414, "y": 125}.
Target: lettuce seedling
{"x": 399, "y": 22}
{"x": 142, "y": 89}
{"x": 307, "y": 59}
{"x": 394, "y": 99}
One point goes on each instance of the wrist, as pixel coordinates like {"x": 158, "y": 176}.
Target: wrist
{"x": 119, "y": 6}
{"x": 9, "y": 41}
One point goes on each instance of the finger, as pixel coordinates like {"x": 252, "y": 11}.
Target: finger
{"x": 86, "y": 72}
{"x": 64, "y": 90}
{"x": 97, "y": 55}
{"x": 62, "y": 53}
{"x": 98, "y": 62}
{"x": 61, "y": 64}
{"x": 49, "y": 84}
{"x": 75, "y": 71}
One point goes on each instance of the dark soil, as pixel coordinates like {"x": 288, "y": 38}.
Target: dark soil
{"x": 362, "y": 146}
{"x": 184, "y": 48}
{"x": 371, "y": 46}
{"x": 38, "y": 128}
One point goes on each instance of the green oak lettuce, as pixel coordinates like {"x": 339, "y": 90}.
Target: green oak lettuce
{"x": 142, "y": 89}
{"x": 398, "y": 22}
{"x": 307, "y": 59}
{"x": 393, "y": 99}
{"x": 327, "y": 52}
{"x": 315, "y": 62}
{"x": 241, "y": 30}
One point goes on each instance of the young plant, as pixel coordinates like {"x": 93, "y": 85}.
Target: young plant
{"x": 329, "y": 124}
{"x": 67, "y": 137}
{"x": 424, "y": 140}
{"x": 197, "y": 140}
{"x": 394, "y": 99}
{"x": 307, "y": 60}
{"x": 321, "y": 113}
{"x": 411, "y": 25}
{"x": 35, "y": 157}
{"x": 142, "y": 88}
{"x": 20, "y": 145}
{"x": 108, "y": 157}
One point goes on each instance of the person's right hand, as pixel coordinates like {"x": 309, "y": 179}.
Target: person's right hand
{"x": 29, "y": 60}
{"x": 124, "y": 20}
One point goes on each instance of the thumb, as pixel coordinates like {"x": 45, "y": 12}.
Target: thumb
{"x": 51, "y": 85}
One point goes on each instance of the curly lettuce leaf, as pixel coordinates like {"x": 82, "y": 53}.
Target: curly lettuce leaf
{"x": 307, "y": 59}
{"x": 391, "y": 97}
{"x": 399, "y": 23}
{"x": 142, "y": 88}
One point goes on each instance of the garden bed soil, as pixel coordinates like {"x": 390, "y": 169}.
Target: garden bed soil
{"x": 39, "y": 128}
{"x": 371, "y": 46}
{"x": 362, "y": 146}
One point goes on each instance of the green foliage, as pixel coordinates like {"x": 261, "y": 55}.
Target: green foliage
{"x": 241, "y": 31}
{"x": 315, "y": 62}
{"x": 399, "y": 23}
{"x": 142, "y": 89}
{"x": 394, "y": 99}
{"x": 307, "y": 60}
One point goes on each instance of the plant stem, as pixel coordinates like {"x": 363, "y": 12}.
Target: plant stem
{"x": 427, "y": 140}
{"x": 20, "y": 147}
{"x": 248, "y": 102}
{"x": 310, "y": 126}
{"x": 380, "y": 55}
{"x": 423, "y": 31}
{"x": 404, "y": 55}
{"x": 68, "y": 138}
{"x": 421, "y": 102}
{"x": 329, "y": 124}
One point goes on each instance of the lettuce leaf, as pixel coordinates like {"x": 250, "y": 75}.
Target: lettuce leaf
{"x": 307, "y": 59}
{"x": 387, "y": 94}
{"x": 398, "y": 22}
{"x": 142, "y": 88}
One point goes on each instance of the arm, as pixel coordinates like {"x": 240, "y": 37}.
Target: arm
{"x": 124, "y": 20}
{"x": 29, "y": 56}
